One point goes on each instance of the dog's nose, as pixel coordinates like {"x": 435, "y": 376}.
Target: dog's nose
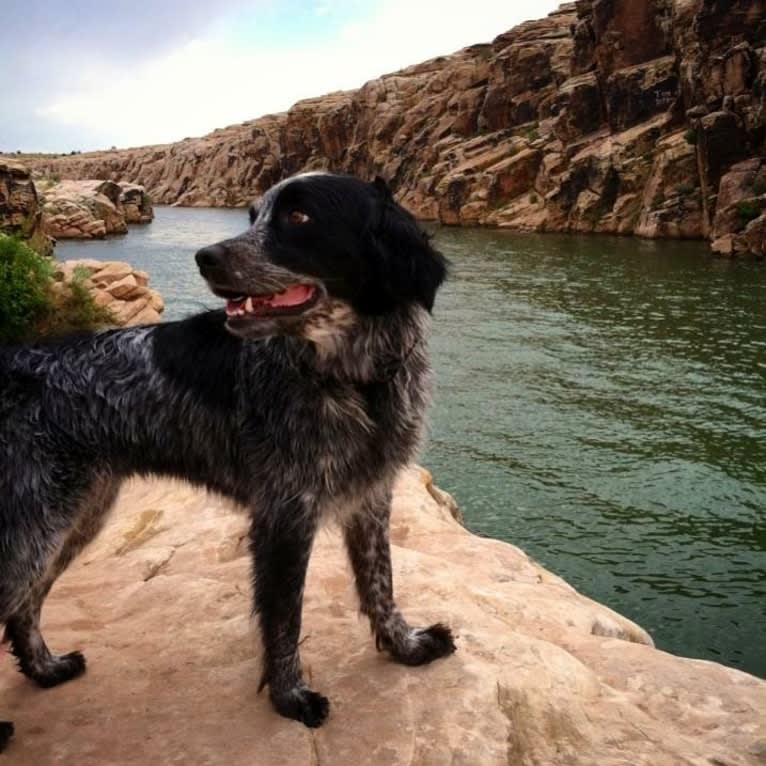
{"x": 210, "y": 257}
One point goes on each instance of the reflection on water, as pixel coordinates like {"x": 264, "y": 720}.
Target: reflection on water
{"x": 601, "y": 402}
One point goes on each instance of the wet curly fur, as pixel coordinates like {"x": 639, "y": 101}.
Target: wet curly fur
{"x": 299, "y": 411}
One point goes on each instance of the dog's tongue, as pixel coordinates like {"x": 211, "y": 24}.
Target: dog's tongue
{"x": 293, "y": 296}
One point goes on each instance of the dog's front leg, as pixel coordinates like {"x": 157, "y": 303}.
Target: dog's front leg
{"x": 280, "y": 542}
{"x": 369, "y": 550}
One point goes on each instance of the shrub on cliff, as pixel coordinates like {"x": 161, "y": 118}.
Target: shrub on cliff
{"x": 32, "y": 304}
{"x": 748, "y": 210}
{"x": 72, "y": 308}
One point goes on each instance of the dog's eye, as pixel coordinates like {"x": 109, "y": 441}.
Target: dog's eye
{"x": 297, "y": 217}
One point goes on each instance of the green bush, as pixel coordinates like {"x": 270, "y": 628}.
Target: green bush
{"x": 532, "y": 133}
{"x": 691, "y": 136}
{"x": 72, "y": 308}
{"x": 33, "y": 305}
{"x": 25, "y": 278}
{"x": 748, "y": 210}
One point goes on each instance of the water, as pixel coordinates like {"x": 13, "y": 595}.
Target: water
{"x": 601, "y": 403}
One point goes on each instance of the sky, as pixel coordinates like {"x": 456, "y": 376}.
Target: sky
{"x": 88, "y": 74}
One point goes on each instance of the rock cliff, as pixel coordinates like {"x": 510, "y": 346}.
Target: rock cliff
{"x": 542, "y": 675}
{"x": 622, "y": 117}
{"x": 20, "y": 210}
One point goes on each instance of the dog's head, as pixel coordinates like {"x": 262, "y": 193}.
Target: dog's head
{"x": 321, "y": 245}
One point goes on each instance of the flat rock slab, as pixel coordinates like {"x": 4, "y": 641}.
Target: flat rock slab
{"x": 160, "y": 603}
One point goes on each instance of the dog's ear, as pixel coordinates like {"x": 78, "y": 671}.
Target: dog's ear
{"x": 406, "y": 268}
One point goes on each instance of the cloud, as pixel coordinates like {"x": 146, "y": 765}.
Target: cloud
{"x": 233, "y": 68}
{"x": 114, "y": 31}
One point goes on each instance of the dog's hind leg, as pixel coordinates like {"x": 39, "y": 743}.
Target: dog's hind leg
{"x": 367, "y": 541}
{"x": 280, "y": 543}
{"x": 22, "y": 628}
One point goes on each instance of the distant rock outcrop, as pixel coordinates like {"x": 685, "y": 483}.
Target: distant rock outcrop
{"x": 92, "y": 208}
{"x": 136, "y": 203}
{"x": 542, "y": 676}
{"x": 20, "y": 211}
{"x": 116, "y": 286}
{"x": 621, "y": 117}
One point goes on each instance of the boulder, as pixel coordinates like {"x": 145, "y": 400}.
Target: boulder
{"x": 136, "y": 203}
{"x": 115, "y": 285}
{"x": 160, "y": 603}
{"x": 122, "y": 288}
{"x": 89, "y": 208}
{"x": 739, "y": 226}
{"x": 754, "y": 236}
{"x": 82, "y": 209}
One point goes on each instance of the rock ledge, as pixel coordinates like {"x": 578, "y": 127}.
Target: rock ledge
{"x": 543, "y": 675}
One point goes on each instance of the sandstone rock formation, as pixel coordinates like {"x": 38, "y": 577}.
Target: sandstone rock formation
{"x": 20, "y": 212}
{"x": 116, "y": 286}
{"x": 136, "y": 203}
{"x": 92, "y": 208}
{"x": 542, "y": 675}
{"x": 605, "y": 116}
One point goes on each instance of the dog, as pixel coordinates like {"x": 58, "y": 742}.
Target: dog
{"x": 301, "y": 401}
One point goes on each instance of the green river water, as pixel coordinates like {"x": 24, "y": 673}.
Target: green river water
{"x": 600, "y": 402}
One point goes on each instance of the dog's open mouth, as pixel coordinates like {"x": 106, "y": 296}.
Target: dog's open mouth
{"x": 293, "y": 300}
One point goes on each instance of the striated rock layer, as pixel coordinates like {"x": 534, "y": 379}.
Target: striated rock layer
{"x": 622, "y": 117}
{"x": 542, "y": 675}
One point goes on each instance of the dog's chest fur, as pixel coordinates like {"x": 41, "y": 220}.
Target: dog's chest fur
{"x": 334, "y": 438}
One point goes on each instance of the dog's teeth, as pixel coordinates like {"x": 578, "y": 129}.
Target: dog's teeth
{"x": 249, "y": 305}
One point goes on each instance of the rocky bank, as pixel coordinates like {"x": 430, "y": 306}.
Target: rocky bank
{"x": 20, "y": 209}
{"x": 543, "y": 676}
{"x": 116, "y": 286}
{"x": 622, "y": 117}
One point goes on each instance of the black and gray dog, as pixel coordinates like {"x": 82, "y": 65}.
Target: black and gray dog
{"x": 301, "y": 401}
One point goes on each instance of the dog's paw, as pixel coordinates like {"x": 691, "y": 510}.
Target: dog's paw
{"x": 6, "y": 732}
{"x": 301, "y": 704}
{"x": 59, "y": 669}
{"x": 425, "y": 645}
